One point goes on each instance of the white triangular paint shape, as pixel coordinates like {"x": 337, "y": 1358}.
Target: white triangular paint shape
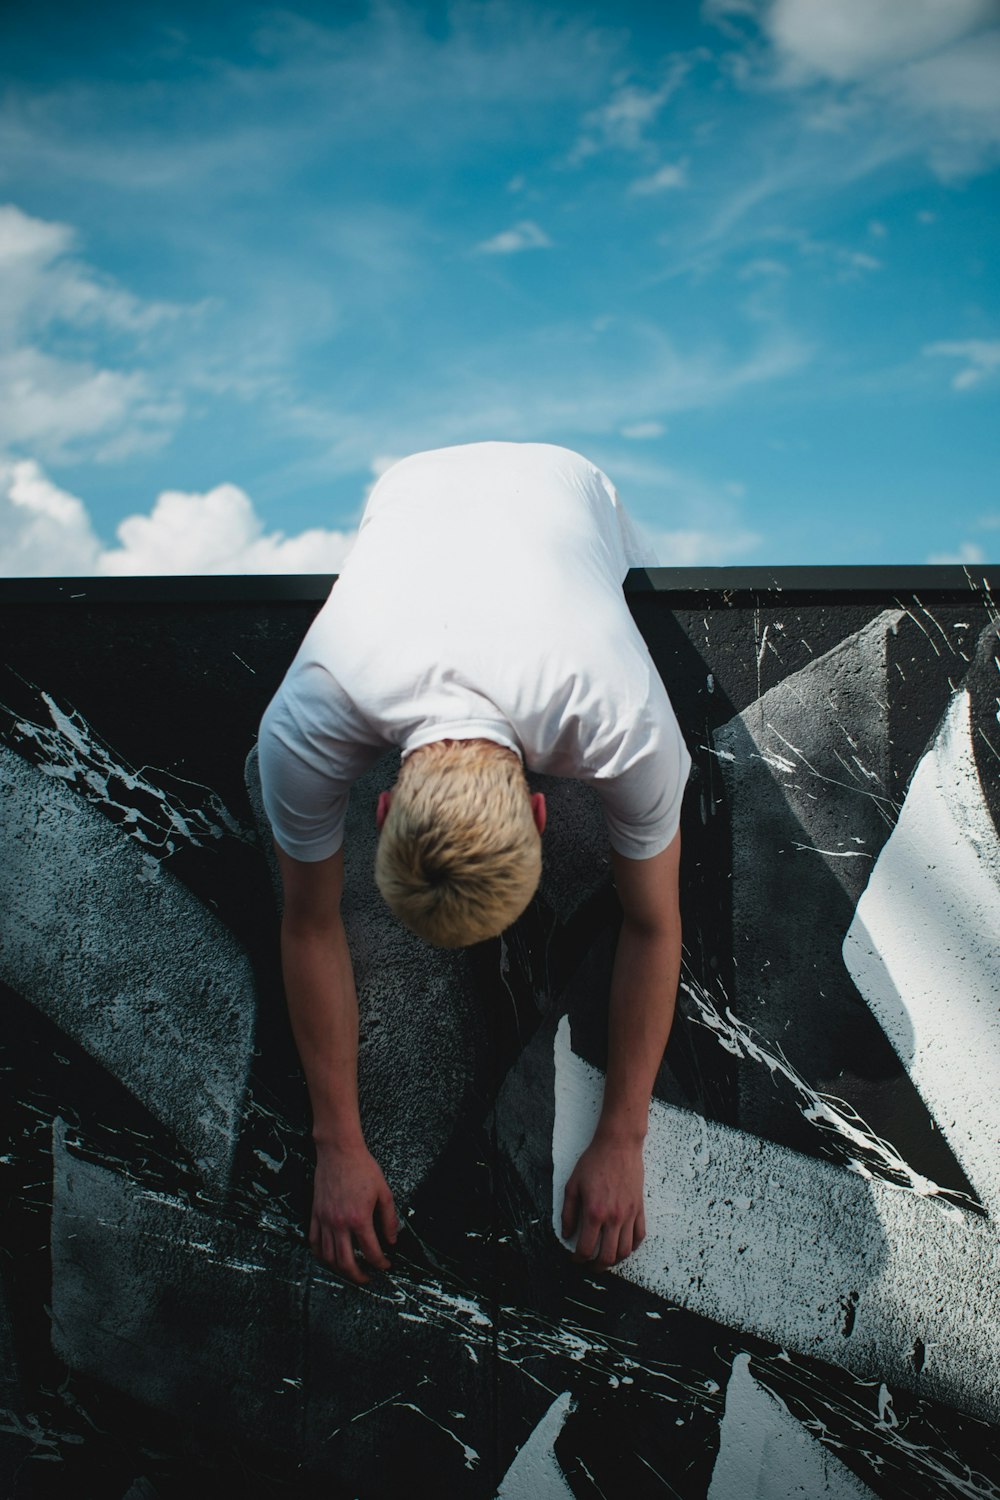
{"x": 765, "y": 1454}
{"x": 924, "y": 948}
{"x": 578, "y": 1107}
{"x": 535, "y": 1473}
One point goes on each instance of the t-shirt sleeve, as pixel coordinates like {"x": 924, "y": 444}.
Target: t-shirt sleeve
{"x": 313, "y": 745}
{"x": 642, "y": 799}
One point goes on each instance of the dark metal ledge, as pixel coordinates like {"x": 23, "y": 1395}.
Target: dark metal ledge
{"x": 726, "y": 583}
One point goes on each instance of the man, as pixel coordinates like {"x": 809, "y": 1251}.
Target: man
{"x": 479, "y": 625}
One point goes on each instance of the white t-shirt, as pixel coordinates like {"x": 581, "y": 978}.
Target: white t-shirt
{"x": 482, "y": 599}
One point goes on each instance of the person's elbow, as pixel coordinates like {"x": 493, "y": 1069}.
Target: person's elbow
{"x": 653, "y": 928}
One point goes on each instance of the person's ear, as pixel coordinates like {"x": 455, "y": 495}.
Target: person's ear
{"x": 382, "y": 811}
{"x": 538, "y": 810}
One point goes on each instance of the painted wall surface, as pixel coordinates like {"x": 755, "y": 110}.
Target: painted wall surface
{"x": 816, "y": 1309}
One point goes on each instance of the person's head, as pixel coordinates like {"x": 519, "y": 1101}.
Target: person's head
{"x": 459, "y": 853}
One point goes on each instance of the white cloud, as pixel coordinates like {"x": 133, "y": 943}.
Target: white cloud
{"x": 685, "y": 519}
{"x": 900, "y": 76}
{"x": 709, "y": 548}
{"x": 641, "y": 431}
{"x": 383, "y": 462}
{"x": 967, "y": 552}
{"x": 53, "y": 402}
{"x": 851, "y": 39}
{"x": 217, "y": 532}
{"x": 44, "y": 531}
{"x": 958, "y": 91}
{"x": 50, "y": 403}
{"x": 621, "y": 123}
{"x": 41, "y": 283}
{"x": 380, "y": 465}
{"x": 843, "y": 263}
{"x": 980, "y": 358}
{"x": 24, "y": 240}
{"x": 573, "y": 384}
{"x": 523, "y": 236}
{"x": 299, "y": 84}
{"x": 672, "y": 175}
{"x": 762, "y": 266}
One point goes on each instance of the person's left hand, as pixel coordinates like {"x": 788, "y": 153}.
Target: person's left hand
{"x": 603, "y": 1202}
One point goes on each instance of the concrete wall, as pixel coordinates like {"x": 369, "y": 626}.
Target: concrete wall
{"x": 816, "y": 1309}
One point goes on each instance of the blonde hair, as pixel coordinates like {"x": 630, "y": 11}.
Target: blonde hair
{"x": 459, "y": 856}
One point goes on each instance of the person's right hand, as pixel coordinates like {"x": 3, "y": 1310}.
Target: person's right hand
{"x": 350, "y": 1195}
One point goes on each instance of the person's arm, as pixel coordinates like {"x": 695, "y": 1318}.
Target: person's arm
{"x": 350, "y": 1193}
{"x": 604, "y": 1195}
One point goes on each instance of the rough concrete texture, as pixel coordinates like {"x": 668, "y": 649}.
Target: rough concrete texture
{"x": 810, "y": 759}
{"x": 118, "y": 953}
{"x": 422, "y": 1049}
{"x": 575, "y": 860}
{"x": 186, "y": 1312}
{"x": 806, "y": 776}
{"x": 239, "y": 1329}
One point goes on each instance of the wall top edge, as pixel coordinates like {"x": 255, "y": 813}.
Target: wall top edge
{"x": 724, "y": 582}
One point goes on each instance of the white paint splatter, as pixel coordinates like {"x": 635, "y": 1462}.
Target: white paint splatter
{"x": 526, "y": 1340}
{"x": 46, "y": 1442}
{"x": 842, "y": 1128}
{"x": 775, "y": 761}
{"x": 469, "y": 1453}
{"x": 765, "y": 1453}
{"x": 911, "y": 1457}
{"x": 887, "y": 1417}
{"x": 923, "y": 948}
{"x": 535, "y": 1473}
{"x": 150, "y": 805}
{"x": 885, "y": 804}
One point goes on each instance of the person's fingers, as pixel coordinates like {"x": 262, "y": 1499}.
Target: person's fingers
{"x": 626, "y": 1242}
{"x": 640, "y": 1229}
{"x": 590, "y": 1238}
{"x": 608, "y": 1252}
{"x": 571, "y": 1209}
{"x": 370, "y": 1248}
{"x": 329, "y": 1247}
{"x": 325, "y": 1248}
{"x": 346, "y": 1261}
{"x": 387, "y": 1216}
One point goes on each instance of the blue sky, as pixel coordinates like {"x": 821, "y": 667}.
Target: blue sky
{"x": 740, "y": 253}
